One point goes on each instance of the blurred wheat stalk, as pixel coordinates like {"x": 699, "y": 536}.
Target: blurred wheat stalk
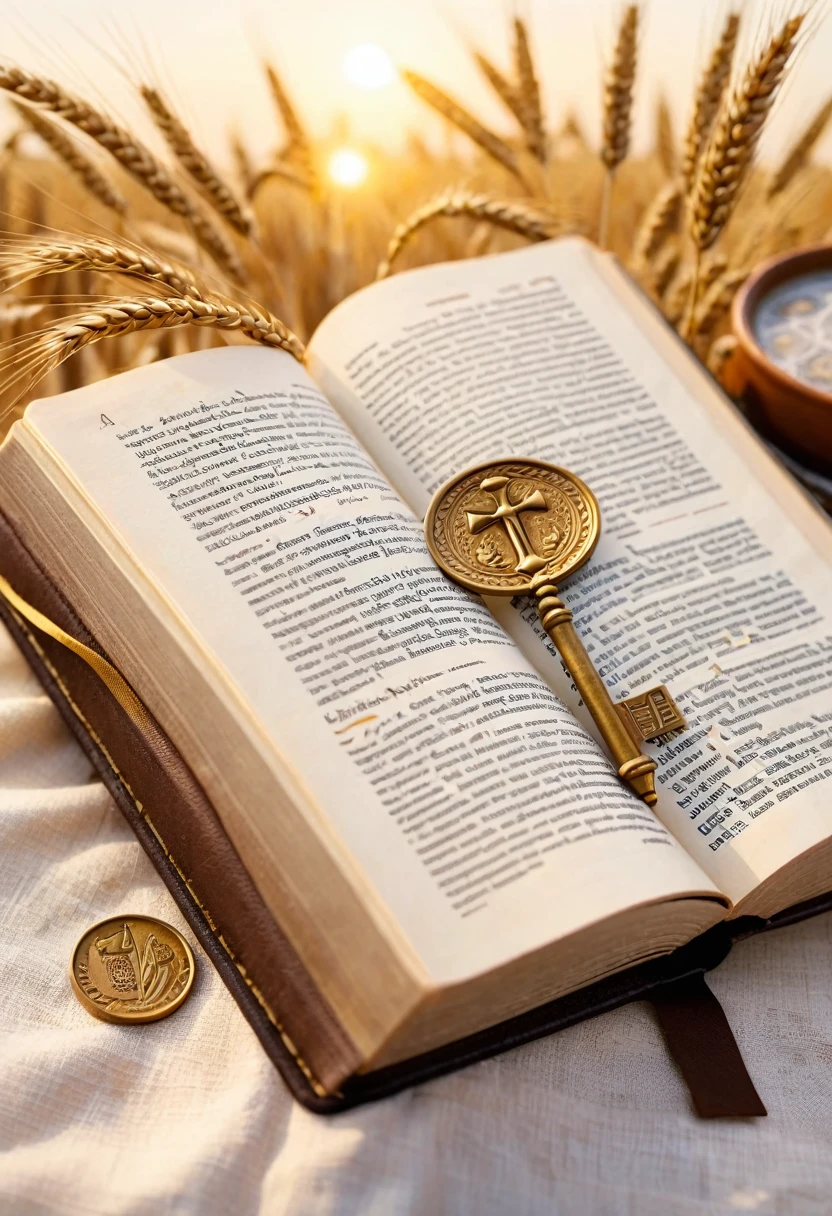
{"x": 89, "y": 204}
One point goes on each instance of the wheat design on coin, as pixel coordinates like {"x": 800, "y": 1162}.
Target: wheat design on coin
{"x": 514, "y": 527}
{"x": 132, "y": 969}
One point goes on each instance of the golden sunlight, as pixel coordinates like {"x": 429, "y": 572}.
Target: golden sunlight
{"x": 347, "y": 167}
{"x": 368, "y": 66}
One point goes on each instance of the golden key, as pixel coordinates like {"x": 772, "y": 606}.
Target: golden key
{"x": 514, "y": 527}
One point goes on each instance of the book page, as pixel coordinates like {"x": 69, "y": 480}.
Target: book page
{"x": 712, "y": 575}
{"x": 458, "y": 786}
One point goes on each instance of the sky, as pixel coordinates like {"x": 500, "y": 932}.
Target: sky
{"x": 205, "y": 54}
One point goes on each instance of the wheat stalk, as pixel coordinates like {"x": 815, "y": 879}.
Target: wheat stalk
{"x": 514, "y": 216}
{"x": 716, "y": 302}
{"x": 677, "y": 295}
{"x": 708, "y": 97}
{"x": 218, "y": 193}
{"x": 665, "y": 142}
{"x": 51, "y": 347}
{"x": 619, "y": 81}
{"x": 26, "y": 259}
{"x": 504, "y": 89}
{"x": 664, "y": 269}
{"x": 241, "y": 158}
{"x": 713, "y": 267}
{"x": 528, "y": 93}
{"x": 298, "y": 143}
{"x": 286, "y": 173}
{"x": 496, "y": 148}
{"x": 572, "y": 131}
{"x": 68, "y": 151}
{"x": 800, "y": 151}
{"x": 295, "y": 131}
{"x": 660, "y": 221}
{"x": 137, "y": 160}
{"x": 725, "y": 161}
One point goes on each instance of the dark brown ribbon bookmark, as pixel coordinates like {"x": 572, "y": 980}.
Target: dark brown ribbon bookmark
{"x": 703, "y": 1045}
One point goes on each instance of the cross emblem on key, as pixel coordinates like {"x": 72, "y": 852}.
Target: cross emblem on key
{"x": 507, "y": 514}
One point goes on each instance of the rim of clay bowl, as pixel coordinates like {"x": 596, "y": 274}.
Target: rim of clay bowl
{"x": 770, "y": 274}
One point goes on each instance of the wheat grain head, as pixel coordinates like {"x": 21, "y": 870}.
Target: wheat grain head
{"x": 130, "y": 153}
{"x": 509, "y": 214}
{"x": 708, "y": 96}
{"x": 800, "y": 152}
{"x": 664, "y": 268}
{"x": 665, "y": 140}
{"x": 178, "y": 138}
{"x": 528, "y": 93}
{"x": 298, "y": 144}
{"x": 25, "y": 259}
{"x": 461, "y": 118}
{"x": 284, "y": 172}
{"x": 67, "y": 150}
{"x": 52, "y": 346}
{"x": 677, "y": 294}
{"x": 716, "y": 301}
{"x": 504, "y": 89}
{"x": 726, "y": 160}
{"x": 618, "y": 91}
{"x": 661, "y": 220}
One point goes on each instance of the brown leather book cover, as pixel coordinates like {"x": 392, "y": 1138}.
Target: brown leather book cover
{"x": 181, "y": 833}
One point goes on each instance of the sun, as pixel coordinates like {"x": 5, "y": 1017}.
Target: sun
{"x": 368, "y": 66}
{"x": 347, "y": 167}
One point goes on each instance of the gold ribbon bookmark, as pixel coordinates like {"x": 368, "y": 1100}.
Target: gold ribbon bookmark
{"x": 113, "y": 679}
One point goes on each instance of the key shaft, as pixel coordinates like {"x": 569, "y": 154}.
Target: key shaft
{"x": 633, "y": 766}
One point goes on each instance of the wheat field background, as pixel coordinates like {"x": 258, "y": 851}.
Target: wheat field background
{"x": 177, "y": 179}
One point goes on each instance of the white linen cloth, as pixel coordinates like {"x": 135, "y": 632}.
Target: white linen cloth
{"x": 188, "y": 1116}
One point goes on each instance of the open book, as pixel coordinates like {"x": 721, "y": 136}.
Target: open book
{"x": 405, "y": 771}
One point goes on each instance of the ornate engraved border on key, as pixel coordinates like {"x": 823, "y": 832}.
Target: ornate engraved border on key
{"x": 466, "y": 530}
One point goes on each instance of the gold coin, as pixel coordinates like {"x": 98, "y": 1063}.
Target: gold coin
{"x": 132, "y": 969}
{"x": 492, "y": 527}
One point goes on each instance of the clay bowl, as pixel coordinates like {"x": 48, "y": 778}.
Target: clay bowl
{"x": 796, "y": 414}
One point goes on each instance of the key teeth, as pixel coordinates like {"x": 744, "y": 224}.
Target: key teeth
{"x": 652, "y": 716}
